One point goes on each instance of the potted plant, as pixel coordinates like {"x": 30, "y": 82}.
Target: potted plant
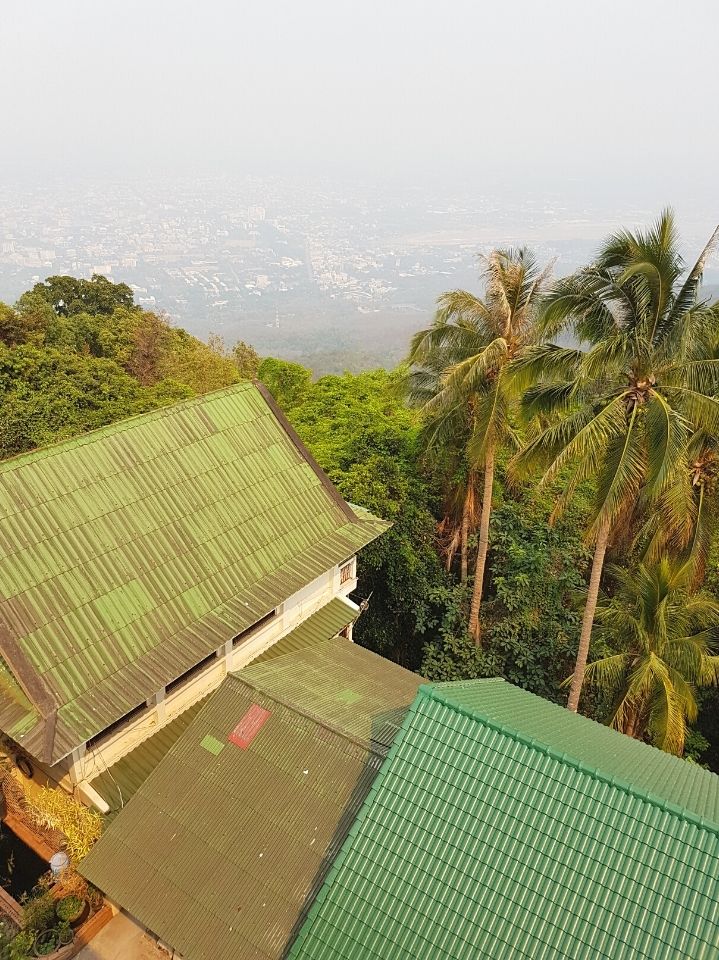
{"x": 73, "y": 910}
{"x": 46, "y": 943}
{"x": 65, "y": 934}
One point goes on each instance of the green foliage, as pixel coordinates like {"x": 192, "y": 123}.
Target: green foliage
{"x": 460, "y": 377}
{"x": 201, "y": 366}
{"x": 658, "y": 643}
{"x": 48, "y": 395}
{"x": 16, "y": 946}
{"x": 360, "y": 432}
{"x": 247, "y": 360}
{"x": 449, "y": 652}
{"x": 77, "y": 354}
{"x": 68, "y": 295}
{"x": 695, "y": 746}
{"x": 531, "y": 614}
{"x": 622, "y": 409}
{"x": 38, "y": 913}
{"x": 289, "y": 383}
{"x": 47, "y": 943}
{"x": 69, "y": 908}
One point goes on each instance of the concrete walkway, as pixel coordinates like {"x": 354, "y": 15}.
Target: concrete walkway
{"x": 122, "y": 939}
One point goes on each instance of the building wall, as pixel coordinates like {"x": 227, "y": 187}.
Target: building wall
{"x": 90, "y": 760}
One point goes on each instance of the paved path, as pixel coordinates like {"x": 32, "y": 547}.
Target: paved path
{"x": 122, "y": 939}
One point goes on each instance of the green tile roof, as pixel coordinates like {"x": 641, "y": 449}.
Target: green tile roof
{"x": 117, "y": 784}
{"x": 130, "y": 553}
{"x": 502, "y": 826}
{"x": 221, "y": 849}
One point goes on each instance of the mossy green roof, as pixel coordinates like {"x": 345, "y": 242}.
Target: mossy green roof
{"x": 222, "y": 848}
{"x": 322, "y": 625}
{"x": 505, "y": 827}
{"x": 17, "y": 714}
{"x": 119, "y": 783}
{"x": 130, "y": 553}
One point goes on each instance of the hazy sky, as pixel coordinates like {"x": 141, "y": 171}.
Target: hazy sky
{"x": 622, "y": 93}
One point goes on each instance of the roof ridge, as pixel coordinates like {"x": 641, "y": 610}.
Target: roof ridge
{"x": 360, "y": 817}
{"x": 117, "y": 426}
{"x": 433, "y": 692}
{"x": 330, "y": 489}
{"x": 365, "y": 745}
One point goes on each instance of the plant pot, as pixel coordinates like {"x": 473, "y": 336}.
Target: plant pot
{"x": 45, "y": 943}
{"x": 65, "y": 937}
{"x": 82, "y": 916}
{"x": 79, "y": 917}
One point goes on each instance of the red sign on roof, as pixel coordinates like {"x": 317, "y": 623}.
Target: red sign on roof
{"x": 249, "y": 726}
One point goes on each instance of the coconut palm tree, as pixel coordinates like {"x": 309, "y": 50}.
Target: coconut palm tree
{"x": 459, "y": 374}
{"x": 691, "y": 540}
{"x": 666, "y": 638}
{"x": 446, "y": 439}
{"x": 459, "y": 517}
{"x": 623, "y": 406}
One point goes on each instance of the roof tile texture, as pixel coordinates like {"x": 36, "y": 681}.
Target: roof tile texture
{"x": 128, "y": 554}
{"x": 495, "y": 830}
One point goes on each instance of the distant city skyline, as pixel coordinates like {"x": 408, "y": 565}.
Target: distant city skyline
{"x": 332, "y": 276}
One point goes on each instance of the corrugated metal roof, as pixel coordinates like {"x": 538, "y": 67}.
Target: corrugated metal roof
{"x": 221, "y": 849}
{"x": 322, "y": 625}
{"x": 17, "y": 714}
{"x": 482, "y": 837}
{"x": 117, "y": 784}
{"x": 339, "y": 690}
{"x": 128, "y": 554}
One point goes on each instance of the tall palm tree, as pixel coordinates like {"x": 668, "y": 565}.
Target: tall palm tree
{"x": 691, "y": 540}
{"x": 665, "y": 640}
{"x": 446, "y": 438}
{"x": 622, "y": 408}
{"x": 459, "y": 373}
{"x": 459, "y": 516}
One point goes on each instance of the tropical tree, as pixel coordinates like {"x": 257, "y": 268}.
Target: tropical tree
{"x": 459, "y": 376}
{"x": 663, "y": 638}
{"x": 691, "y": 541}
{"x": 620, "y": 409}
{"x": 247, "y": 359}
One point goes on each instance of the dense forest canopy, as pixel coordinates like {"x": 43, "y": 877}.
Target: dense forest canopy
{"x": 509, "y": 467}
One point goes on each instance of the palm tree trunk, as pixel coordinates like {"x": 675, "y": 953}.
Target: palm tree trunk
{"x": 588, "y": 619}
{"x": 631, "y": 725}
{"x": 465, "y": 530}
{"x": 474, "y": 627}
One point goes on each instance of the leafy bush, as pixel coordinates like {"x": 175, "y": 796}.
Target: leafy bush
{"x": 530, "y": 614}
{"x": 17, "y": 947}
{"x": 38, "y": 913}
{"x": 46, "y": 943}
{"x": 59, "y": 811}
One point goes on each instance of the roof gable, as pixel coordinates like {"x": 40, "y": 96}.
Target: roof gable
{"x": 222, "y": 847}
{"x": 128, "y": 554}
{"x": 593, "y": 748}
{"x": 479, "y": 840}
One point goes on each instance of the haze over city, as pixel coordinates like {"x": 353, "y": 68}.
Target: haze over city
{"x": 310, "y": 177}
